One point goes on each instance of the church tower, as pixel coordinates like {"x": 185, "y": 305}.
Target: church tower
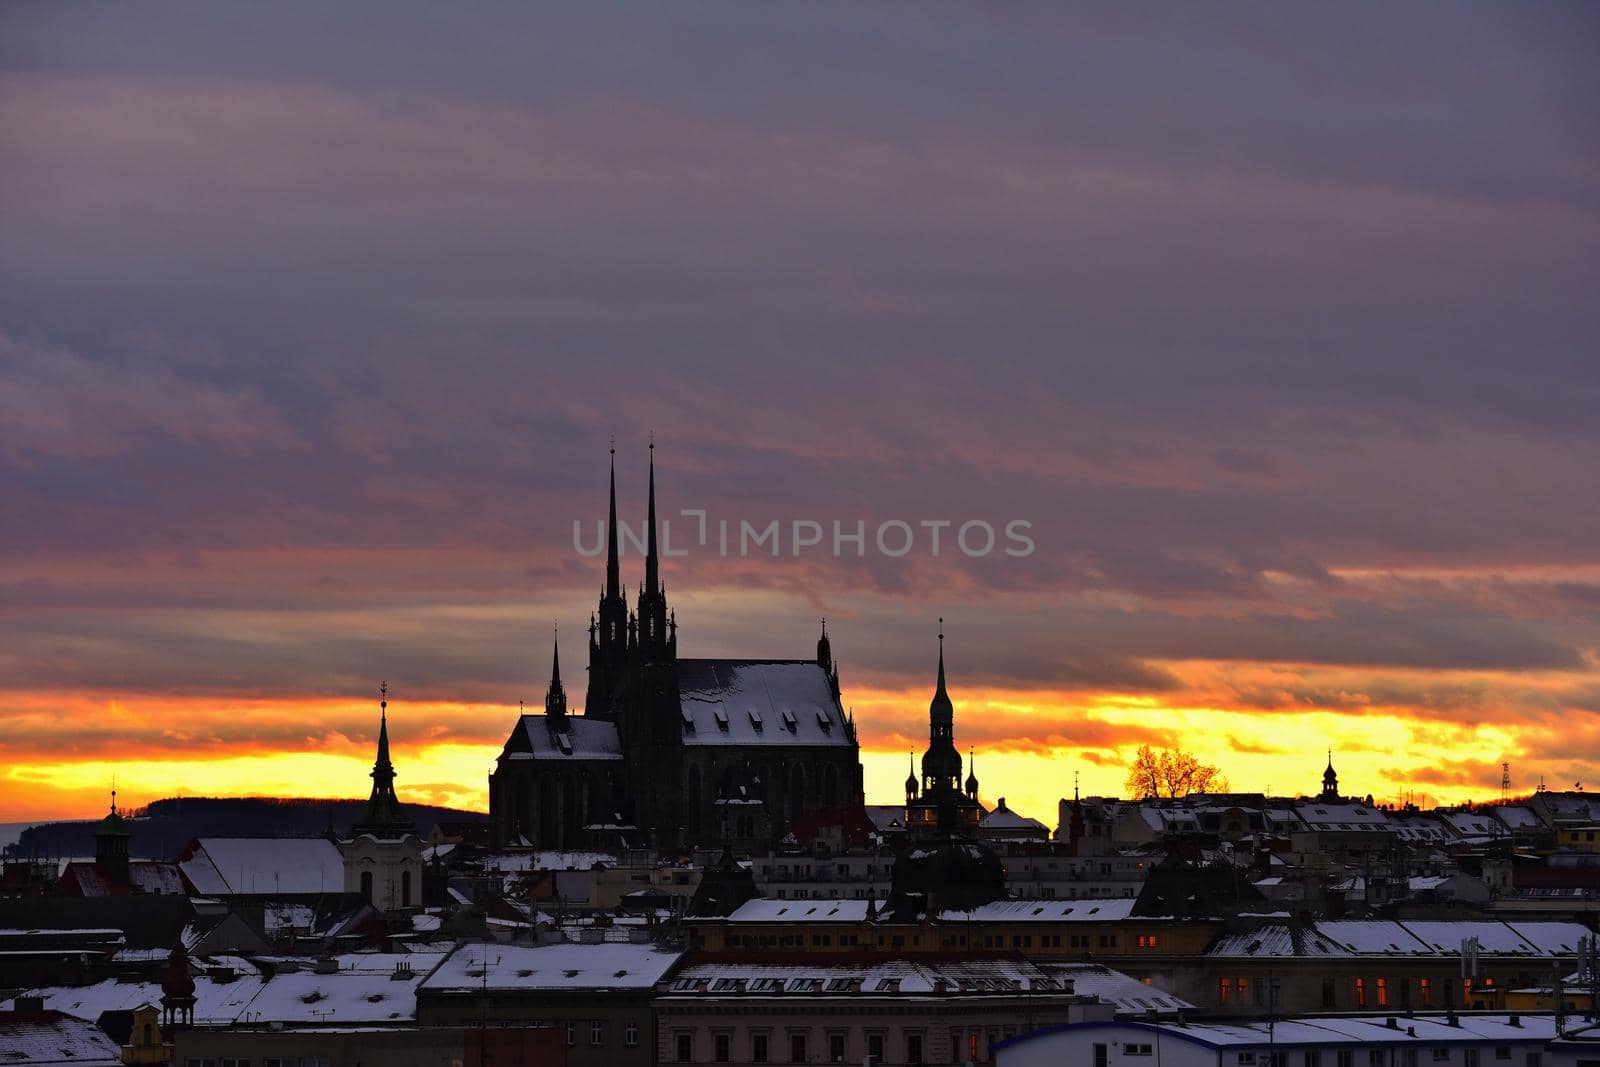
{"x": 608, "y": 634}
{"x": 383, "y": 856}
{"x": 1330, "y": 780}
{"x": 942, "y": 806}
{"x": 658, "y": 633}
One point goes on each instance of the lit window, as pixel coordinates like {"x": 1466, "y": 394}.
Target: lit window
{"x": 1361, "y": 992}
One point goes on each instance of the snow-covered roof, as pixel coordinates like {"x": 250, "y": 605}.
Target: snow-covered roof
{"x": 547, "y": 860}
{"x": 758, "y": 702}
{"x": 1517, "y": 817}
{"x": 38, "y": 1040}
{"x": 1003, "y": 818}
{"x": 1113, "y": 987}
{"x": 583, "y": 738}
{"x": 1373, "y": 1031}
{"x": 1473, "y": 824}
{"x": 1411, "y": 937}
{"x": 860, "y": 977}
{"x": 1333, "y": 815}
{"x": 605, "y": 966}
{"x": 216, "y": 1002}
{"x": 305, "y": 996}
{"x": 767, "y": 910}
{"x": 1011, "y": 911}
{"x": 265, "y": 866}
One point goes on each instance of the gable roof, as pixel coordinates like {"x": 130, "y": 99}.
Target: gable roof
{"x": 759, "y": 702}
{"x": 583, "y": 739}
{"x": 264, "y": 866}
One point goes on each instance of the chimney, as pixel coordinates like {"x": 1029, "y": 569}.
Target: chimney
{"x": 28, "y": 1004}
{"x": 1392, "y": 1023}
{"x": 1515, "y": 1020}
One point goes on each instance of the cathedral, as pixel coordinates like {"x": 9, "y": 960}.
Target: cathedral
{"x": 671, "y": 752}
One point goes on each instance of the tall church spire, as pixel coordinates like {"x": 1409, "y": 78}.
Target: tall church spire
{"x": 382, "y": 815}
{"x": 613, "y": 568}
{"x": 652, "y": 565}
{"x": 655, "y": 642}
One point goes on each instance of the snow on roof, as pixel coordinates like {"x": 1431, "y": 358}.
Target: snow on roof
{"x": 1113, "y": 987}
{"x": 858, "y": 977}
{"x": 1011, "y": 911}
{"x": 765, "y": 909}
{"x": 1373, "y": 937}
{"x": 583, "y": 738}
{"x": 1517, "y": 817}
{"x": 1329, "y": 815}
{"x": 1360, "y": 1030}
{"x": 1551, "y": 938}
{"x": 38, "y": 1039}
{"x": 420, "y": 962}
{"x": 1006, "y": 819}
{"x": 758, "y": 702}
{"x": 606, "y": 966}
{"x": 1473, "y": 823}
{"x": 238, "y": 866}
{"x": 1446, "y": 936}
{"x": 341, "y": 997}
{"x": 215, "y": 1002}
{"x": 547, "y": 860}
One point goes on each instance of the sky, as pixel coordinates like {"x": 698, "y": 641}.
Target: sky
{"x": 1276, "y": 324}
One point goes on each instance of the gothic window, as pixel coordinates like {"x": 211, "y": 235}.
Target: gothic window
{"x": 366, "y": 886}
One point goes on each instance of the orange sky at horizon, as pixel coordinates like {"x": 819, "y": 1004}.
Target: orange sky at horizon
{"x": 1029, "y": 746}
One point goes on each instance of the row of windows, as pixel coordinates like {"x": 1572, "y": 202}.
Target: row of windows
{"x": 1368, "y": 993}
{"x": 766, "y": 1047}
{"x": 245, "y": 1061}
{"x": 597, "y": 1033}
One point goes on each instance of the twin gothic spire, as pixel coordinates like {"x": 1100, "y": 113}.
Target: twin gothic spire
{"x": 616, "y": 633}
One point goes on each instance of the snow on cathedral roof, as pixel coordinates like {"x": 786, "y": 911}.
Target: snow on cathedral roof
{"x": 584, "y": 738}
{"x": 758, "y": 702}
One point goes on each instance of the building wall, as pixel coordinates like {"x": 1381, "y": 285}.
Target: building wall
{"x": 392, "y": 866}
{"x": 948, "y": 1026}
{"x": 398, "y": 1047}
{"x": 626, "y": 1034}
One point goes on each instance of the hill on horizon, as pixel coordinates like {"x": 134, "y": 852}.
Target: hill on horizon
{"x": 161, "y": 828}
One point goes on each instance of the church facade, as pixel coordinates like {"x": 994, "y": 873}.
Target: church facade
{"x": 673, "y": 752}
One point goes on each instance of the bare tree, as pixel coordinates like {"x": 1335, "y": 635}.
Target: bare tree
{"x": 1171, "y": 772}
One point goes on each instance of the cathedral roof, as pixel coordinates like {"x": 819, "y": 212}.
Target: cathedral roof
{"x": 582, "y": 738}
{"x": 759, "y": 703}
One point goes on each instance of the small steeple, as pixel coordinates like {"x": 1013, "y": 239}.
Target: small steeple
{"x": 555, "y": 697}
{"x": 940, "y": 711}
{"x": 911, "y": 778}
{"x": 1330, "y": 780}
{"x": 972, "y": 773}
{"x": 382, "y": 815}
{"x": 824, "y": 649}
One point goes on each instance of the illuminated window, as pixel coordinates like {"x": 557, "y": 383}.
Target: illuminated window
{"x": 1427, "y": 992}
{"x": 1224, "y": 990}
{"x": 1383, "y": 992}
{"x": 1361, "y": 992}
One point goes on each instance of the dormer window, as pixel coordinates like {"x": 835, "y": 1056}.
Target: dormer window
{"x": 824, "y": 722}
{"x": 722, "y": 720}
{"x": 688, "y": 720}
{"x": 564, "y": 742}
{"x": 789, "y": 722}
{"x": 755, "y": 721}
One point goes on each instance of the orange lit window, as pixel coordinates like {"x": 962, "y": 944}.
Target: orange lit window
{"x": 1383, "y": 992}
{"x": 1224, "y": 990}
{"x": 1361, "y": 992}
{"x": 1466, "y": 992}
{"x": 1427, "y": 992}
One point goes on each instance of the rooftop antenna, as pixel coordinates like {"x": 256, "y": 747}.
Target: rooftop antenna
{"x": 1505, "y": 780}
